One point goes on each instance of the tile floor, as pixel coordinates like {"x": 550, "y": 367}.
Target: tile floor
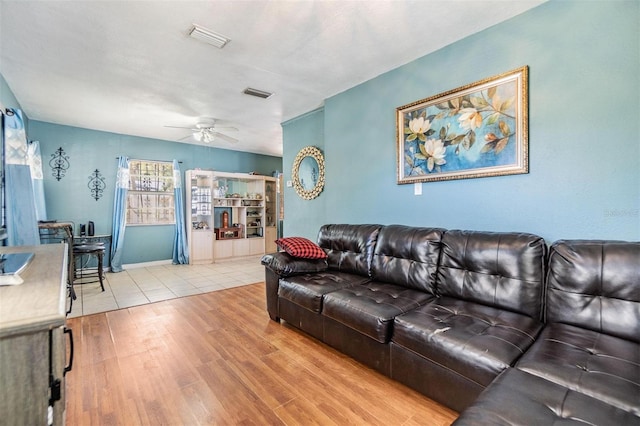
{"x": 138, "y": 286}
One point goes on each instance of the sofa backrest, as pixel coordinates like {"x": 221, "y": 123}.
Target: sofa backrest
{"x": 504, "y": 270}
{"x": 595, "y": 285}
{"x": 349, "y": 247}
{"x": 407, "y": 256}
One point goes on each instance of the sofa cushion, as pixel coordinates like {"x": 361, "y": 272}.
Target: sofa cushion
{"x": 595, "y": 285}
{"x": 301, "y": 247}
{"x": 308, "y": 290}
{"x": 407, "y": 256}
{"x": 518, "y": 398}
{"x": 474, "y": 340}
{"x": 284, "y": 264}
{"x": 596, "y": 364}
{"x": 504, "y": 270}
{"x": 370, "y": 308}
{"x": 349, "y": 247}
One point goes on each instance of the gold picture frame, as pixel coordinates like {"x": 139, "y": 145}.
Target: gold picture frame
{"x": 477, "y": 130}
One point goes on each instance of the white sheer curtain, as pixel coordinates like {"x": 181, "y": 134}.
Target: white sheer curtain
{"x": 34, "y": 158}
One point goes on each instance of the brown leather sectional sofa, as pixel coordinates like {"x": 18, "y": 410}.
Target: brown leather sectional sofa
{"x": 489, "y": 324}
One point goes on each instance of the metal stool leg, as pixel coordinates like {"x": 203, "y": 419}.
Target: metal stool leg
{"x": 100, "y": 274}
{"x": 92, "y": 275}
{"x": 72, "y": 297}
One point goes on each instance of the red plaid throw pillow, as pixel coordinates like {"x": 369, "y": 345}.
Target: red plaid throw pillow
{"x": 301, "y": 247}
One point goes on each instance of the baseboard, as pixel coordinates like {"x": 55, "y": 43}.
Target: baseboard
{"x": 147, "y": 264}
{"x": 170, "y": 262}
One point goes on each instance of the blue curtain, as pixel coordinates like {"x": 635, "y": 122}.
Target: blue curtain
{"x": 119, "y": 214}
{"x": 180, "y": 247}
{"x": 35, "y": 163}
{"x": 20, "y": 209}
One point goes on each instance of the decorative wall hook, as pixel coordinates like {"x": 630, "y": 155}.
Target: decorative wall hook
{"x": 96, "y": 184}
{"x": 59, "y": 163}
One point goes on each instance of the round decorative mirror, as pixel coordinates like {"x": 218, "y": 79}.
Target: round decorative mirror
{"x": 308, "y": 172}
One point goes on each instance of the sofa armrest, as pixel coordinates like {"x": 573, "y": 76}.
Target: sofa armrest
{"x": 279, "y": 265}
{"x": 285, "y": 265}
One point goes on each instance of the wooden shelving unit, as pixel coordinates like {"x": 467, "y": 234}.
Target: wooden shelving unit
{"x": 247, "y": 203}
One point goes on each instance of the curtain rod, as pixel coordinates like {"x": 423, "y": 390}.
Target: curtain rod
{"x": 156, "y": 161}
{"x": 6, "y": 111}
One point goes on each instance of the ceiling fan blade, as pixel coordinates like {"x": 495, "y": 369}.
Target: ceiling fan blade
{"x": 186, "y": 137}
{"x": 225, "y": 137}
{"x": 180, "y": 127}
{"x": 233, "y": 129}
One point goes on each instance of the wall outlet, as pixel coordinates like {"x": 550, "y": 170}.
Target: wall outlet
{"x": 289, "y": 184}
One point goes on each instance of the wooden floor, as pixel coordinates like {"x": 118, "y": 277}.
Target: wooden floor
{"x": 216, "y": 358}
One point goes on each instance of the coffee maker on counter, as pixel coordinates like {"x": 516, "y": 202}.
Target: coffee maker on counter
{"x": 88, "y": 230}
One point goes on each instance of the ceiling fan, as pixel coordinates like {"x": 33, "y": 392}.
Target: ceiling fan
{"x": 206, "y": 131}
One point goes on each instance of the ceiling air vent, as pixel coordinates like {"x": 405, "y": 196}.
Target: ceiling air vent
{"x": 258, "y": 93}
{"x": 208, "y": 36}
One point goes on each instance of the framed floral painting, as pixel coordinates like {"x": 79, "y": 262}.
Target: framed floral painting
{"x": 477, "y": 130}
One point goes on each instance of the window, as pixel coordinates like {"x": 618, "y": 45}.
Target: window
{"x": 150, "y": 200}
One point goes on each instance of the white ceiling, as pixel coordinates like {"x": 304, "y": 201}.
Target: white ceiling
{"x": 129, "y": 67}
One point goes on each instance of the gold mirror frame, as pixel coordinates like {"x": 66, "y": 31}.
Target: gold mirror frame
{"x": 316, "y": 154}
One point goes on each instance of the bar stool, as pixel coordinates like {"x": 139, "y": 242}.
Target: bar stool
{"x": 83, "y": 274}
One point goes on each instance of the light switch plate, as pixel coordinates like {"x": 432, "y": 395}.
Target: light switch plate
{"x": 417, "y": 188}
{"x": 289, "y": 184}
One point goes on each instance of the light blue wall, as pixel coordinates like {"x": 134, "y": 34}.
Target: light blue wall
{"x": 584, "y": 132}
{"x": 88, "y": 150}
{"x": 300, "y": 132}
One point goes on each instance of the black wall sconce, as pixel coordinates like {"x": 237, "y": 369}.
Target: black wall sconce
{"x": 59, "y": 163}
{"x": 96, "y": 184}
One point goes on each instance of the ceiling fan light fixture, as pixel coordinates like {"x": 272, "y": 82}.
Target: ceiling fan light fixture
{"x": 203, "y": 135}
{"x": 208, "y": 36}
